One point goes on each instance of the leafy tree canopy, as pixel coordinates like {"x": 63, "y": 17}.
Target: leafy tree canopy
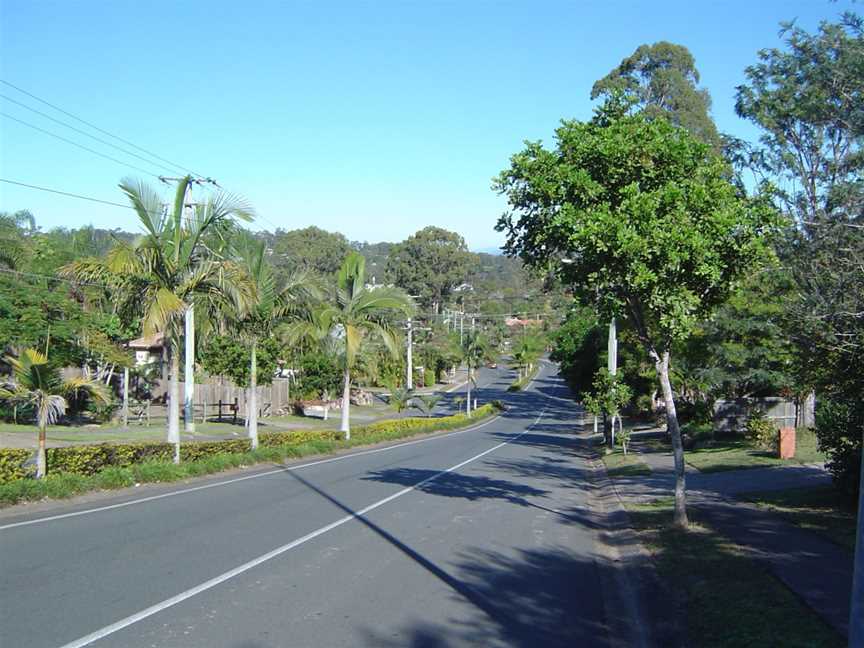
{"x": 662, "y": 80}
{"x": 310, "y": 248}
{"x": 430, "y": 264}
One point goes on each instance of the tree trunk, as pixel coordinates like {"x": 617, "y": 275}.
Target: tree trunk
{"x": 189, "y": 376}
{"x": 346, "y": 406}
{"x": 41, "y": 460}
{"x": 174, "y": 402}
{"x": 662, "y": 365}
{"x": 856, "y": 606}
{"x": 253, "y": 398}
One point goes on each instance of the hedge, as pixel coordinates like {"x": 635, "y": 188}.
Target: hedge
{"x": 89, "y": 460}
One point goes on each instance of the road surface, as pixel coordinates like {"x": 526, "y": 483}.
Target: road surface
{"x": 475, "y": 538}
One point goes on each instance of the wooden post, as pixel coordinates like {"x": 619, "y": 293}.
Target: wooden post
{"x": 219, "y": 412}
{"x": 235, "y": 410}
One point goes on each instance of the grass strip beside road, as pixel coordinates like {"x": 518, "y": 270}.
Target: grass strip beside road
{"x": 620, "y": 465}
{"x": 822, "y": 510}
{"x": 724, "y": 598}
{"x": 64, "y": 485}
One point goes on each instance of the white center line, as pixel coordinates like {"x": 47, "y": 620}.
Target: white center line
{"x": 213, "y": 582}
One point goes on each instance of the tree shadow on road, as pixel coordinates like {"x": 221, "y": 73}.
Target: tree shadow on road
{"x": 537, "y": 597}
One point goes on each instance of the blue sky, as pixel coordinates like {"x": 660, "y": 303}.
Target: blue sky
{"x": 371, "y": 118}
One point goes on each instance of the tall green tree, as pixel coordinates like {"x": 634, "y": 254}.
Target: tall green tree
{"x": 806, "y": 98}
{"x": 429, "y": 264}
{"x": 663, "y": 81}
{"x": 651, "y": 226}
{"x": 37, "y": 384}
{"x": 359, "y": 314}
{"x": 174, "y": 266}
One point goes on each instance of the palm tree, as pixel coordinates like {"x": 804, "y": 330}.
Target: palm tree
{"x": 275, "y": 302}
{"x": 426, "y": 403}
{"x": 400, "y": 396}
{"x": 175, "y": 267}
{"x": 36, "y": 384}
{"x": 359, "y": 313}
{"x": 475, "y": 352}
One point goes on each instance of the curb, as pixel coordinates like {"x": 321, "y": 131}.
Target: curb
{"x": 634, "y": 598}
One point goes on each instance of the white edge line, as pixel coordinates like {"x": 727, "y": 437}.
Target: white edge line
{"x": 193, "y": 489}
{"x": 213, "y": 582}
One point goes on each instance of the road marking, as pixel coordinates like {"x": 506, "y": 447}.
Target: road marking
{"x": 213, "y": 582}
{"x": 151, "y": 498}
{"x": 193, "y": 489}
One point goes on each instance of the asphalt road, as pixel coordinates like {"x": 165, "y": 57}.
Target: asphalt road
{"x": 475, "y": 538}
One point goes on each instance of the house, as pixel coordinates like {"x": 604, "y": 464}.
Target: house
{"x": 148, "y": 349}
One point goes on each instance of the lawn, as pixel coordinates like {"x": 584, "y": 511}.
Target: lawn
{"x": 19, "y": 436}
{"x": 737, "y": 454}
{"x": 620, "y": 465}
{"x": 726, "y": 599}
{"x": 822, "y": 510}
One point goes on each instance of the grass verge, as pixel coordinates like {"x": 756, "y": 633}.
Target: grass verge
{"x": 64, "y": 485}
{"x": 725, "y": 599}
{"x": 822, "y": 510}
{"x": 620, "y": 465}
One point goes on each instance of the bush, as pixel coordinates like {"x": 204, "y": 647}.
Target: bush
{"x": 761, "y": 431}
{"x": 839, "y": 426}
{"x": 12, "y": 464}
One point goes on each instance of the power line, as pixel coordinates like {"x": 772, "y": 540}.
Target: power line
{"x": 86, "y": 134}
{"x": 80, "y": 196}
{"x": 94, "y": 127}
{"x": 53, "y": 278}
{"x": 72, "y": 195}
{"x": 81, "y": 146}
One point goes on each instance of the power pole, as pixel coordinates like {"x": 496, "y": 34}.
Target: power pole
{"x": 461, "y": 327}
{"x": 409, "y": 379}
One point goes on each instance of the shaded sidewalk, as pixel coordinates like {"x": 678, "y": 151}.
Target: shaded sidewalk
{"x": 816, "y": 569}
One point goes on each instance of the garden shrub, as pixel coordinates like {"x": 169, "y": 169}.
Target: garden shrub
{"x": 839, "y": 427}
{"x": 761, "y": 431}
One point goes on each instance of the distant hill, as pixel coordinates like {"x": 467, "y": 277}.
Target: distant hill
{"x": 489, "y": 250}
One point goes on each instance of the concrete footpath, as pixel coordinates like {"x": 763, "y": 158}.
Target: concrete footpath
{"x": 816, "y": 569}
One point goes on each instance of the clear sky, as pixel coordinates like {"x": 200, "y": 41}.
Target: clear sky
{"x": 371, "y": 118}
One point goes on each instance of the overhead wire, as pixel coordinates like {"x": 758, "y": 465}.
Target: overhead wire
{"x": 96, "y": 128}
{"x": 86, "y": 134}
{"x": 73, "y": 282}
{"x": 73, "y": 195}
{"x": 81, "y": 146}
